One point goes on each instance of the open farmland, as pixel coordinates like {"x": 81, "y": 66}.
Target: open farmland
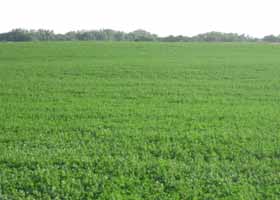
{"x": 124, "y": 120}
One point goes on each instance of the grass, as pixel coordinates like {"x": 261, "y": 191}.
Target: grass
{"x": 101, "y": 120}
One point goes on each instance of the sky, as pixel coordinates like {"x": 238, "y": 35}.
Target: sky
{"x": 162, "y": 17}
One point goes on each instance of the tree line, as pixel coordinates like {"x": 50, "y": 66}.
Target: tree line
{"x": 137, "y": 35}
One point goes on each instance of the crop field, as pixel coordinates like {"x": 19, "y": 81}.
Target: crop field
{"x": 128, "y": 120}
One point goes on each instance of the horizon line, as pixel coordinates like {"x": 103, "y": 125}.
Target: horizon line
{"x": 169, "y": 35}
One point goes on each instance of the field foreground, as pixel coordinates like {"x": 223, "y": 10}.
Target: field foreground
{"x": 89, "y": 120}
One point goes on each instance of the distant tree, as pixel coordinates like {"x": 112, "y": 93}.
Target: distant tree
{"x": 271, "y": 38}
{"x": 172, "y": 38}
{"x": 142, "y": 35}
{"x": 16, "y": 35}
{"x": 221, "y": 37}
{"x": 60, "y": 37}
{"x": 71, "y": 35}
{"x": 137, "y": 35}
{"x": 42, "y": 35}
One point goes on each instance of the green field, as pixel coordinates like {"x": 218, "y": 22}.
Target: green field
{"x": 124, "y": 120}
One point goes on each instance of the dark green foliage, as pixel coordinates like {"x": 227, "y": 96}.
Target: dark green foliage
{"x": 16, "y": 35}
{"x": 116, "y": 120}
{"x": 222, "y": 37}
{"x": 172, "y": 38}
{"x": 138, "y": 35}
{"x": 271, "y": 38}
